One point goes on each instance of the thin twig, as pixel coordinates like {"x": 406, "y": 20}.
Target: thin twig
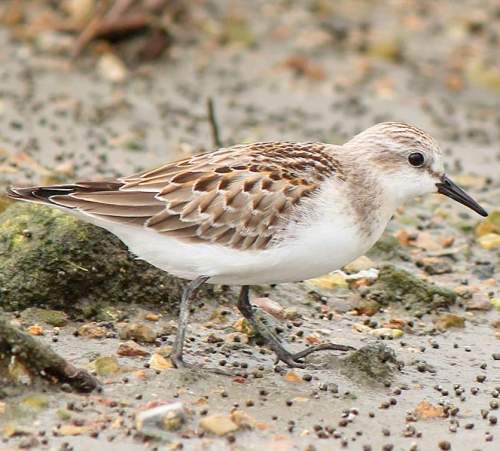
{"x": 122, "y": 25}
{"x": 41, "y": 359}
{"x": 90, "y": 31}
{"x": 212, "y": 119}
{"x": 119, "y": 8}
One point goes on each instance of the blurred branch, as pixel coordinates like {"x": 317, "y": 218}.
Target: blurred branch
{"x": 41, "y": 359}
{"x": 120, "y": 19}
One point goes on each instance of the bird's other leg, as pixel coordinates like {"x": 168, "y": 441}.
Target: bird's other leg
{"x": 269, "y": 337}
{"x": 282, "y": 354}
{"x": 187, "y": 296}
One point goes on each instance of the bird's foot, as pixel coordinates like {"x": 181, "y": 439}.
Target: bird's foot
{"x": 282, "y": 355}
{"x": 294, "y": 360}
{"x": 322, "y": 347}
{"x": 179, "y": 363}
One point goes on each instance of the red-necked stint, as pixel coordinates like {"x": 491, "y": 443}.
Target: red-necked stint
{"x": 261, "y": 213}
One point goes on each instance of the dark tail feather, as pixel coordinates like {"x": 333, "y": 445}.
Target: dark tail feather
{"x": 42, "y": 194}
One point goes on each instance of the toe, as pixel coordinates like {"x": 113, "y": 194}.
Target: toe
{"x": 178, "y": 361}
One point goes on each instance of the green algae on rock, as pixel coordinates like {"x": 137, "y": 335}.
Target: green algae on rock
{"x": 386, "y": 248}
{"x": 35, "y": 315}
{"x": 376, "y": 361}
{"x": 4, "y": 203}
{"x": 397, "y": 285}
{"x": 51, "y": 259}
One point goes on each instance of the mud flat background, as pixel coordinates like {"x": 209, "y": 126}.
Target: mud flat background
{"x": 426, "y": 374}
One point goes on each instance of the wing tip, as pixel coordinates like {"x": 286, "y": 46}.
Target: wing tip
{"x": 19, "y": 193}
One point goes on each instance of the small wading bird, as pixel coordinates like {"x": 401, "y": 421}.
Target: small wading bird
{"x": 262, "y": 213}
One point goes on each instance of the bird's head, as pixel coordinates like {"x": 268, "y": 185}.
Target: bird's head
{"x": 407, "y": 162}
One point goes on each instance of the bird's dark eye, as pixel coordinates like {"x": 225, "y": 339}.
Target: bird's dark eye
{"x": 416, "y": 159}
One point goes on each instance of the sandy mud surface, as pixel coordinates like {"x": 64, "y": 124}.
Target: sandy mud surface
{"x": 426, "y": 374}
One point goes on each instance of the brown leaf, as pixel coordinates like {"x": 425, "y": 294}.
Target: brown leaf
{"x": 425, "y": 410}
{"x": 158, "y": 362}
{"x": 403, "y": 237}
{"x": 269, "y": 306}
{"x": 218, "y": 424}
{"x": 152, "y": 317}
{"x": 395, "y": 323}
{"x": 313, "y": 339}
{"x": 304, "y": 67}
{"x": 291, "y": 376}
{"x": 70, "y": 429}
{"x": 131, "y": 349}
{"x": 35, "y": 330}
{"x": 447, "y": 241}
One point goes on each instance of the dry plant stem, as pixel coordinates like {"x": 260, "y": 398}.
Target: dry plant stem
{"x": 116, "y": 21}
{"x": 214, "y": 126}
{"x": 42, "y": 359}
{"x": 119, "y": 8}
{"x": 122, "y": 25}
{"x": 89, "y": 32}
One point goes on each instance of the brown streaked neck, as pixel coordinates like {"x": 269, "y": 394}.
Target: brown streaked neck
{"x": 370, "y": 205}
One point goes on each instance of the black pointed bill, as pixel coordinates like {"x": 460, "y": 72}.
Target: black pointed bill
{"x": 450, "y": 189}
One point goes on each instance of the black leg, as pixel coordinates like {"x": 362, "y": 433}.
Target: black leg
{"x": 292, "y": 360}
{"x": 270, "y": 339}
{"x": 187, "y": 296}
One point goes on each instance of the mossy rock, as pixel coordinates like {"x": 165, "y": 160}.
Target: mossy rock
{"x": 36, "y": 315}
{"x": 373, "y": 362}
{"x": 386, "y": 248}
{"x": 398, "y": 285}
{"x": 51, "y": 259}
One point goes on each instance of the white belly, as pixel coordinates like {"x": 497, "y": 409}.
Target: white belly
{"x": 320, "y": 249}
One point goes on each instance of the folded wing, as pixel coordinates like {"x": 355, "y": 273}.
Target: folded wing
{"x": 239, "y": 197}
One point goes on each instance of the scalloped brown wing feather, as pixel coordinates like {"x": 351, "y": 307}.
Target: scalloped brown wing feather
{"x": 238, "y": 197}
